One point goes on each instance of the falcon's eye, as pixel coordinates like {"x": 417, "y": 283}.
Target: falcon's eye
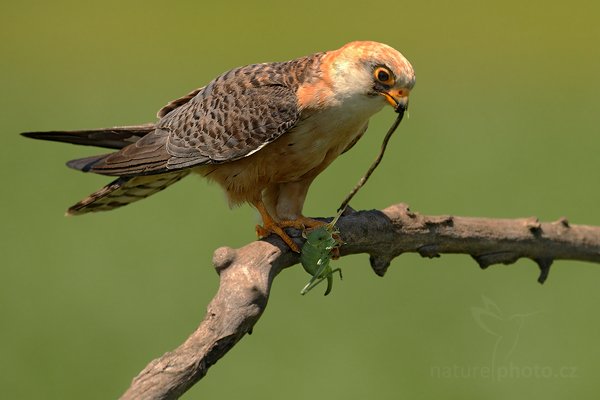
{"x": 383, "y": 75}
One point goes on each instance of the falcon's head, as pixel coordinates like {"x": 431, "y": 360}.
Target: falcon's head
{"x": 370, "y": 74}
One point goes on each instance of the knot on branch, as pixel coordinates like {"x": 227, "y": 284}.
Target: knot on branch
{"x": 562, "y": 222}
{"x": 544, "y": 264}
{"x": 429, "y": 251}
{"x": 223, "y": 257}
{"x": 380, "y": 263}
{"x": 500, "y": 257}
{"x": 507, "y": 257}
{"x": 440, "y": 220}
{"x": 400, "y": 211}
{"x": 404, "y": 217}
{"x": 534, "y": 225}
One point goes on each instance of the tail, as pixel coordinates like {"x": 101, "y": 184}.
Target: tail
{"x": 125, "y": 190}
{"x": 111, "y": 138}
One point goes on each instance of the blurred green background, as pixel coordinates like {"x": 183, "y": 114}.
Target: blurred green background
{"x": 503, "y": 123}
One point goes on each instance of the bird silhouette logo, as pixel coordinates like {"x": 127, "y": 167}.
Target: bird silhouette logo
{"x": 505, "y": 328}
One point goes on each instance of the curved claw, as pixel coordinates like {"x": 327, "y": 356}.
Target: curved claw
{"x": 302, "y": 223}
{"x": 271, "y": 226}
{"x": 268, "y": 228}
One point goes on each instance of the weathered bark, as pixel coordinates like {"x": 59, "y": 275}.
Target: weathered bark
{"x": 246, "y": 275}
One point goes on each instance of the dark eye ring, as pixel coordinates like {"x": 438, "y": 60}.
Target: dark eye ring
{"x": 384, "y": 76}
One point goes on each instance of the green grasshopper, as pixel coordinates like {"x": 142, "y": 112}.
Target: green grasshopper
{"x": 316, "y": 255}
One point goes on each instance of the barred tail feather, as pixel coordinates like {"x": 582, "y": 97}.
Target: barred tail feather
{"x": 86, "y": 163}
{"x": 125, "y": 190}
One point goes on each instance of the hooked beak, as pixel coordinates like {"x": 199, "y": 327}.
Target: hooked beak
{"x": 398, "y": 98}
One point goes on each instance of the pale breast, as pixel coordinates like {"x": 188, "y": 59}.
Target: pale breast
{"x": 306, "y": 149}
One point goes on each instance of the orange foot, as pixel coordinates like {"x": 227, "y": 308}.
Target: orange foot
{"x": 302, "y": 223}
{"x": 271, "y": 226}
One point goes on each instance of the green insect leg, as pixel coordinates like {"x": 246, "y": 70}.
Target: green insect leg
{"x": 330, "y": 279}
{"x": 317, "y": 278}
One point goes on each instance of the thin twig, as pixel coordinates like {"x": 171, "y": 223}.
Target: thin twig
{"x": 375, "y": 164}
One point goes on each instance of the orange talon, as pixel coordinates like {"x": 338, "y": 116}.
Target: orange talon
{"x": 271, "y": 226}
{"x": 262, "y": 232}
{"x": 302, "y": 223}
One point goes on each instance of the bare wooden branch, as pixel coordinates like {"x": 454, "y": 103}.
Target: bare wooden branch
{"x": 246, "y": 275}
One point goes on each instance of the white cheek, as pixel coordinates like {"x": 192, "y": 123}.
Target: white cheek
{"x": 350, "y": 80}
